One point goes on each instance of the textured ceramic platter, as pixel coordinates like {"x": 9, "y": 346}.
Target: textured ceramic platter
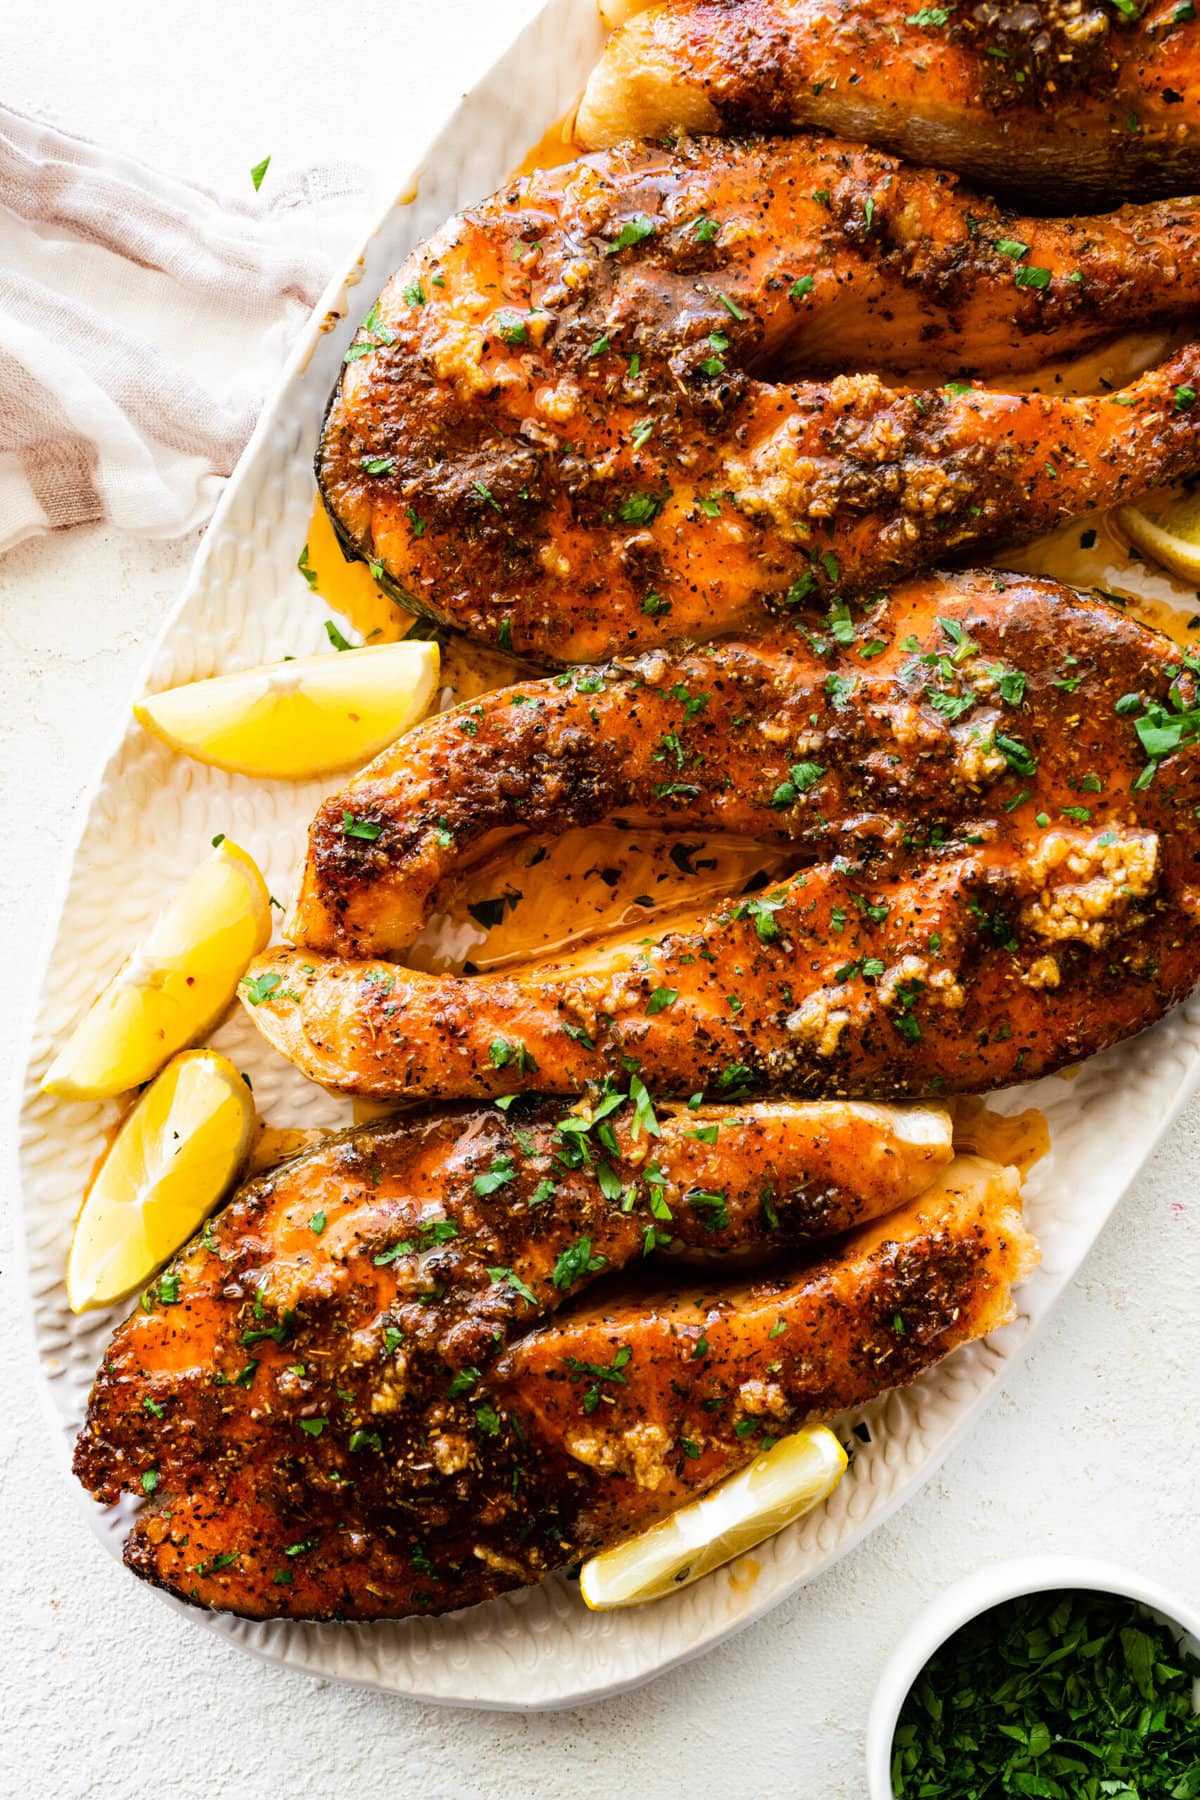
{"x": 149, "y": 818}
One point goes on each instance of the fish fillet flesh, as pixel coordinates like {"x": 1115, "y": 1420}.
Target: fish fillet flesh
{"x": 1063, "y": 98}
{"x": 317, "y": 1442}
{"x": 994, "y": 807}
{"x": 585, "y": 416}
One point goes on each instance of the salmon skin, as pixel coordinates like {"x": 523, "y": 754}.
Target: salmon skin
{"x": 1059, "y": 99}
{"x": 587, "y": 416}
{"x": 327, "y": 1429}
{"x": 991, "y": 787}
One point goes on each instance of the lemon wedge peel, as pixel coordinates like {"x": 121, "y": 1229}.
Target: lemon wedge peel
{"x": 176, "y": 984}
{"x": 773, "y": 1491}
{"x": 173, "y": 1159}
{"x": 1171, "y": 535}
{"x": 294, "y": 720}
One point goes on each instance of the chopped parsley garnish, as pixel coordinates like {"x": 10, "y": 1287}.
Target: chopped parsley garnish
{"x": 712, "y": 1207}
{"x": 633, "y": 231}
{"x": 600, "y": 1372}
{"x": 367, "y": 829}
{"x": 508, "y": 1279}
{"x": 404, "y": 1248}
{"x": 1066, "y": 1695}
{"x": 1015, "y": 754}
{"x": 377, "y": 465}
{"x": 501, "y": 1053}
{"x": 487, "y": 1419}
{"x": 1030, "y": 277}
{"x": 225, "y": 1560}
{"x": 1011, "y": 247}
{"x": 661, "y": 999}
{"x": 258, "y": 172}
{"x": 498, "y": 1176}
{"x": 378, "y": 337}
{"x": 575, "y": 1262}
{"x": 258, "y": 988}
{"x": 640, "y": 509}
{"x": 335, "y": 637}
{"x": 800, "y": 288}
{"x": 804, "y": 775}
{"x": 643, "y": 1109}
{"x": 511, "y": 327}
{"x": 951, "y": 706}
{"x": 1011, "y": 683}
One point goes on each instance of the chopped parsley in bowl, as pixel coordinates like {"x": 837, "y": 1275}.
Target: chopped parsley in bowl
{"x": 1056, "y": 1679}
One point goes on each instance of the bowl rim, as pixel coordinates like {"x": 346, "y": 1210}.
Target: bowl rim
{"x": 978, "y": 1593}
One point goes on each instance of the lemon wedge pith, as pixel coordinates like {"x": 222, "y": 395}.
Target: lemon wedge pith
{"x": 1170, "y": 534}
{"x": 774, "y": 1490}
{"x": 176, "y": 984}
{"x": 306, "y": 717}
{"x": 173, "y": 1159}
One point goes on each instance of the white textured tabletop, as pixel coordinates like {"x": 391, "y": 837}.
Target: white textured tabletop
{"x": 1092, "y": 1447}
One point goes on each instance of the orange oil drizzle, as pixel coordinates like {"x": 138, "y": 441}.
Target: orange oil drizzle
{"x": 1018, "y": 1140}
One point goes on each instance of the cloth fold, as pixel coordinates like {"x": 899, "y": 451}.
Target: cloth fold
{"x": 142, "y": 321}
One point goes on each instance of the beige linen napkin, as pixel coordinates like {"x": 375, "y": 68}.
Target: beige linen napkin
{"x": 142, "y": 321}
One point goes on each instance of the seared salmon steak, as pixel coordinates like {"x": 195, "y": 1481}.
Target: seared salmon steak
{"x": 990, "y": 787}
{"x": 350, "y": 1396}
{"x": 1065, "y": 97}
{"x": 587, "y": 415}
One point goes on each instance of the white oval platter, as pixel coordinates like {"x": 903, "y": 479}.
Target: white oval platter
{"x": 149, "y": 817}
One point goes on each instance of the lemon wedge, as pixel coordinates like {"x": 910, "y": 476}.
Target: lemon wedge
{"x": 777, "y": 1488}
{"x": 171, "y": 1162}
{"x": 1170, "y": 534}
{"x": 309, "y": 716}
{"x": 176, "y": 984}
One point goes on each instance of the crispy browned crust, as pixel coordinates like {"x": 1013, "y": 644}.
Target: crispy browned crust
{"x": 822, "y": 1168}
{"x": 706, "y": 742}
{"x": 1062, "y": 98}
{"x": 319, "y": 1441}
{"x": 1016, "y": 888}
{"x": 569, "y": 440}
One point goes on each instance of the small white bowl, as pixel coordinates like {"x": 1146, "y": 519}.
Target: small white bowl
{"x": 976, "y": 1594}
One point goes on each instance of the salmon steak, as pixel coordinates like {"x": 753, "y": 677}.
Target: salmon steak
{"x": 413, "y": 1367}
{"x": 989, "y": 785}
{"x": 590, "y": 414}
{"x": 1069, "y": 97}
